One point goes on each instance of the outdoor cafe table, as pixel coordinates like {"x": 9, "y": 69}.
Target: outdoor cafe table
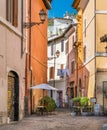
{"x": 41, "y": 109}
{"x": 80, "y": 109}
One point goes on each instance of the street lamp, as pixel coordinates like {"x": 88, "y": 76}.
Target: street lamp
{"x": 42, "y": 15}
{"x": 56, "y": 55}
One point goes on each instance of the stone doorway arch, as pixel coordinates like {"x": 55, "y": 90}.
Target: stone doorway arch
{"x": 13, "y": 96}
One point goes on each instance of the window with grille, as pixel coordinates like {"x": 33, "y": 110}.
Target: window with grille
{"x": 52, "y": 49}
{"x": 85, "y": 54}
{"x": 67, "y": 47}
{"x": 62, "y": 45}
{"x": 72, "y": 40}
{"x": 72, "y": 67}
{"x": 12, "y": 12}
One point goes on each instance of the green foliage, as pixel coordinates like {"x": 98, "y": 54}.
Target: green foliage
{"x": 49, "y": 103}
{"x": 76, "y": 99}
{"x": 84, "y": 101}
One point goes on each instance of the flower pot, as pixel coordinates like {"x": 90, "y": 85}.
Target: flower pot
{"x": 84, "y": 113}
{"x": 73, "y": 113}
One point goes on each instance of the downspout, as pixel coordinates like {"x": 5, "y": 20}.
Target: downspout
{"x": 95, "y": 45}
{"x": 22, "y": 28}
{"x": 30, "y": 42}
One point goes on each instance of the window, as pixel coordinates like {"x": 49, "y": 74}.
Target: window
{"x": 85, "y": 27}
{"x": 51, "y": 72}
{"x": 67, "y": 47}
{"x": 52, "y": 49}
{"x": 72, "y": 67}
{"x": 62, "y": 45}
{"x": 12, "y": 12}
{"x": 72, "y": 41}
{"x": 85, "y": 54}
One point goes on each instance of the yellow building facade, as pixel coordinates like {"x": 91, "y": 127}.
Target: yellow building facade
{"x": 93, "y": 52}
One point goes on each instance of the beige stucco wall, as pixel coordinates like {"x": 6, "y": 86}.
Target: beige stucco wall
{"x": 89, "y": 42}
{"x": 10, "y": 60}
{"x": 101, "y": 75}
{"x": 95, "y": 14}
{"x": 101, "y": 4}
{"x": 3, "y": 8}
{"x": 95, "y": 28}
{"x": 91, "y": 79}
{"x": 101, "y": 60}
{"x": 101, "y": 29}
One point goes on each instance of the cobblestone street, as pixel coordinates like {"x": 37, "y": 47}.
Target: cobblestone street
{"x": 59, "y": 120}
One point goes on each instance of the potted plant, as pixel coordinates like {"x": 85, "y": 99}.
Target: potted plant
{"x": 49, "y": 103}
{"x": 76, "y": 101}
{"x": 84, "y": 105}
{"x": 75, "y": 110}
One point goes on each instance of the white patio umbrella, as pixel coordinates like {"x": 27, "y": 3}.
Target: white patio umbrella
{"x": 43, "y": 86}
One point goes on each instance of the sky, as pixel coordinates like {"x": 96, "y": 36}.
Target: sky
{"x": 59, "y": 8}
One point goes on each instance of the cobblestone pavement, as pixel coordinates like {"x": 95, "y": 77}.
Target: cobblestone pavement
{"x": 59, "y": 120}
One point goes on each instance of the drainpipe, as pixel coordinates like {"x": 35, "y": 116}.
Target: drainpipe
{"x": 95, "y": 48}
{"x": 22, "y": 28}
{"x": 30, "y": 42}
{"x": 31, "y": 89}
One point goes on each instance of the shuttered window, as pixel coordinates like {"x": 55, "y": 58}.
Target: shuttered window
{"x": 67, "y": 47}
{"x": 62, "y": 45}
{"x": 84, "y": 53}
{"x": 51, "y": 72}
{"x": 12, "y": 12}
{"x": 72, "y": 67}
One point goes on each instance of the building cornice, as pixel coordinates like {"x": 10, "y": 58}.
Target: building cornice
{"x": 76, "y": 3}
{"x": 47, "y": 3}
{"x": 101, "y": 11}
{"x": 80, "y": 4}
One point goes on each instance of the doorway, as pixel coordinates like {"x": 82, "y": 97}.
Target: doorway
{"x": 59, "y": 99}
{"x": 13, "y": 96}
{"x": 105, "y": 97}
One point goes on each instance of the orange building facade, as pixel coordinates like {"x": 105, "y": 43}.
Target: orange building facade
{"x": 81, "y": 71}
{"x": 36, "y": 53}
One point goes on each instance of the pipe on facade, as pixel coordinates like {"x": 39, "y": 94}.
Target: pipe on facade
{"x": 22, "y": 28}
{"x": 95, "y": 48}
{"x": 30, "y": 40}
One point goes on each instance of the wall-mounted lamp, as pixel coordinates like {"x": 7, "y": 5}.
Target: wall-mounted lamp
{"x": 106, "y": 49}
{"x": 42, "y": 15}
{"x": 57, "y": 53}
{"x": 104, "y": 39}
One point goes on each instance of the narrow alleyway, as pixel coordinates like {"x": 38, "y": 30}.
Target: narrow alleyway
{"x": 59, "y": 120}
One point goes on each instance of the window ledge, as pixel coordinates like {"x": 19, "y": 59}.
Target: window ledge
{"x": 10, "y": 27}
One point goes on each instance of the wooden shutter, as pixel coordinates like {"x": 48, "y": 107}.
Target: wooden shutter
{"x": 51, "y": 72}
{"x": 15, "y": 13}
